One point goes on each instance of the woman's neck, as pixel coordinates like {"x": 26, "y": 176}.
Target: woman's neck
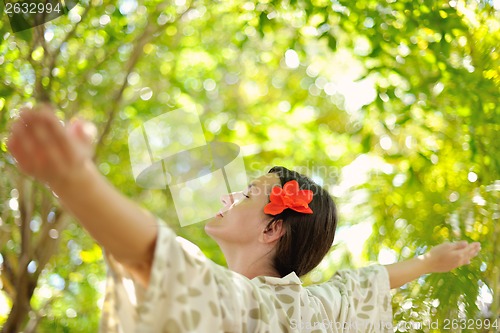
{"x": 251, "y": 262}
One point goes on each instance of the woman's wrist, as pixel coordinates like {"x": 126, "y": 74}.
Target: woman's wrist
{"x": 75, "y": 180}
{"x": 427, "y": 263}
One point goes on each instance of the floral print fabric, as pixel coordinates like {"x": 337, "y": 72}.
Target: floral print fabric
{"x": 189, "y": 293}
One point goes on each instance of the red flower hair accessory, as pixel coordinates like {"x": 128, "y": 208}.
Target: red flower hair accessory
{"x": 289, "y": 197}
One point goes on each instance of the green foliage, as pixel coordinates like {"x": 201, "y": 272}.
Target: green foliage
{"x": 393, "y": 106}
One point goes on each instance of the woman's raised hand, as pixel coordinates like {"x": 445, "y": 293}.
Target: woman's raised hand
{"x": 448, "y": 256}
{"x": 45, "y": 149}
{"x": 61, "y": 157}
{"x": 442, "y": 258}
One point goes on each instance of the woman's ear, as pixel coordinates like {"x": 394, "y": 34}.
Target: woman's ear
{"x": 273, "y": 232}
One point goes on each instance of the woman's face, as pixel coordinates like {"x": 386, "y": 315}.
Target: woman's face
{"x": 242, "y": 219}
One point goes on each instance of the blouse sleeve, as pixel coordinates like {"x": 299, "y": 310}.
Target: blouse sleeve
{"x": 358, "y": 300}
{"x": 187, "y": 292}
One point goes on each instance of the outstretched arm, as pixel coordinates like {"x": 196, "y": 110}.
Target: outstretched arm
{"x": 44, "y": 149}
{"x": 442, "y": 258}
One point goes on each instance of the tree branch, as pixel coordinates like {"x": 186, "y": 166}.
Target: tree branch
{"x": 70, "y": 34}
{"x": 134, "y": 58}
{"x": 8, "y": 276}
{"x": 32, "y": 324}
{"x": 26, "y": 212}
{"x": 46, "y": 246}
{"x": 147, "y": 35}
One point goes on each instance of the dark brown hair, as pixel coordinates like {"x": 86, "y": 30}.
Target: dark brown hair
{"x": 307, "y": 237}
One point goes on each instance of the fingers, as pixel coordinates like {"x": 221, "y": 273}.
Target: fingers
{"x": 39, "y": 143}
{"x": 60, "y": 140}
{"x": 468, "y": 252}
{"x": 85, "y": 131}
{"x": 448, "y": 256}
{"x": 460, "y": 245}
{"x": 473, "y": 251}
{"x": 45, "y": 127}
{"x": 85, "y": 134}
{"x": 19, "y": 146}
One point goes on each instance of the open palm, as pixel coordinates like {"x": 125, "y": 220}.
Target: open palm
{"x": 47, "y": 150}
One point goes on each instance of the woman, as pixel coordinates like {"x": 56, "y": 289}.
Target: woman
{"x": 276, "y": 230}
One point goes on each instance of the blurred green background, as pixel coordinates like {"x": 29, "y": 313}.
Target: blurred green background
{"x": 393, "y": 106}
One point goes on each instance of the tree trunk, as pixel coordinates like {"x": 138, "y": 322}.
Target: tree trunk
{"x": 25, "y": 285}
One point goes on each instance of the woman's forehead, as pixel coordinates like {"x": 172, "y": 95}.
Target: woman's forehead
{"x": 266, "y": 182}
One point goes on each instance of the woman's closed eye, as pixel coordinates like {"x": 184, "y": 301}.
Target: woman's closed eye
{"x": 249, "y": 189}
{"x": 239, "y": 196}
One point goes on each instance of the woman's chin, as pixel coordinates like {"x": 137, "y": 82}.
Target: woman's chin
{"x": 212, "y": 224}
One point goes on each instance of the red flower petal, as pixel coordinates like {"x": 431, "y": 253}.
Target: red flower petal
{"x": 291, "y": 188}
{"x": 290, "y": 196}
{"x": 273, "y": 208}
{"x": 306, "y": 195}
{"x": 303, "y": 209}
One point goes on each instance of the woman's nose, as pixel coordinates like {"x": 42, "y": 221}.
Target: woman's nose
{"x": 227, "y": 199}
